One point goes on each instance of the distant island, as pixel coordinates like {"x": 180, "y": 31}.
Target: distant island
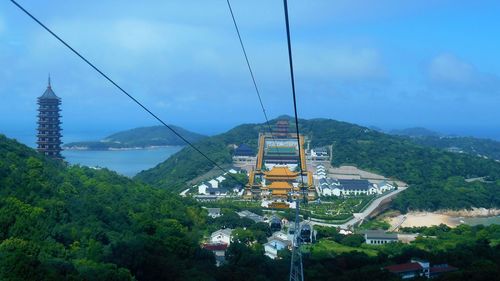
{"x": 138, "y": 138}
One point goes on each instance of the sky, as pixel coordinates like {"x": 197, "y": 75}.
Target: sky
{"x": 388, "y": 63}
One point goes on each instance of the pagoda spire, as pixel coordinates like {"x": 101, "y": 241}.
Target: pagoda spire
{"x": 49, "y": 123}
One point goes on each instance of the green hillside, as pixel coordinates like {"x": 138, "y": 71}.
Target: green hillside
{"x": 138, "y": 137}
{"x": 436, "y": 176}
{"x": 74, "y": 223}
{"x": 474, "y": 146}
{"x": 187, "y": 164}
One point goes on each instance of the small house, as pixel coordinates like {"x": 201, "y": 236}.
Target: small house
{"x": 221, "y": 236}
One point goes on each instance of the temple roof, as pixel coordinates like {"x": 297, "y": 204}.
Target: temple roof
{"x": 279, "y": 185}
{"x": 281, "y": 172}
{"x": 279, "y": 192}
{"x": 49, "y": 94}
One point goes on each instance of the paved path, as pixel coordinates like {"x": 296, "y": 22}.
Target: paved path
{"x": 361, "y": 216}
{"x": 183, "y": 193}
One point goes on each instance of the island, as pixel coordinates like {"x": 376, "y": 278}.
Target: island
{"x": 138, "y": 138}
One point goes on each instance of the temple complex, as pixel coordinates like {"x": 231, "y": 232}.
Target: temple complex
{"x": 277, "y": 175}
{"x": 49, "y": 124}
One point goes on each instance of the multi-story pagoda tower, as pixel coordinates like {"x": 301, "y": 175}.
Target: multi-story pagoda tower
{"x": 49, "y": 124}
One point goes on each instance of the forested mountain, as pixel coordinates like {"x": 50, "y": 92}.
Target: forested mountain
{"x": 138, "y": 137}
{"x": 74, "y": 223}
{"x": 436, "y": 176}
{"x": 474, "y": 146}
{"x": 415, "y": 132}
{"x": 188, "y": 164}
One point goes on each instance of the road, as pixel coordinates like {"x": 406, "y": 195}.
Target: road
{"x": 361, "y": 216}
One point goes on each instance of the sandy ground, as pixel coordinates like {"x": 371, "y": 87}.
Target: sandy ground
{"x": 423, "y": 219}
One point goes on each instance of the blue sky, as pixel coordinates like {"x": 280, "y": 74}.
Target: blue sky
{"x": 390, "y": 64}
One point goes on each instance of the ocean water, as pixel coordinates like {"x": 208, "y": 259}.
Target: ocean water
{"x": 125, "y": 162}
{"x": 482, "y": 220}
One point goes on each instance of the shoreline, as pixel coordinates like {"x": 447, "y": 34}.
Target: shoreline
{"x": 474, "y": 213}
{"x": 447, "y": 217}
{"x": 85, "y": 148}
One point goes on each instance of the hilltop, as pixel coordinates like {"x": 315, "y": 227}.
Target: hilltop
{"x": 436, "y": 176}
{"x": 138, "y": 138}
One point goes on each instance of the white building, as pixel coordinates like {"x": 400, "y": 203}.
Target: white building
{"x": 385, "y": 186}
{"x": 202, "y": 189}
{"x": 221, "y": 236}
{"x": 319, "y": 154}
{"x": 379, "y": 237}
{"x": 275, "y": 243}
{"x": 352, "y": 187}
{"x": 214, "y": 212}
{"x": 214, "y": 183}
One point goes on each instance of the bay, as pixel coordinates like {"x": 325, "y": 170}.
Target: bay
{"x": 125, "y": 162}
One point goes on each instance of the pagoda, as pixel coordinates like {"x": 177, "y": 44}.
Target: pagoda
{"x": 49, "y": 124}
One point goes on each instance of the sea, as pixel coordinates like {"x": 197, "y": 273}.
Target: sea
{"x": 125, "y": 162}
{"x": 481, "y": 220}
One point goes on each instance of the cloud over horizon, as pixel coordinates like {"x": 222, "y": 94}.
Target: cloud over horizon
{"x": 355, "y": 61}
{"x": 447, "y": 71}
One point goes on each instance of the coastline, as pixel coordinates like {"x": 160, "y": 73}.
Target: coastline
{"x": 448, "y": 217}
{"x": 86, "y": 148}
{"x": 474, "y": 213}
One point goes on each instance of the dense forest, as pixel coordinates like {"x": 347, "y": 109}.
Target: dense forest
{"x": 75, "y": 223}
{"x": 474, "y": 146}
{"x": 437, "y": 177}
{"x": 139, "y": 137}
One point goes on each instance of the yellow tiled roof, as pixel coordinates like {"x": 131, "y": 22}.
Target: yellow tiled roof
{"x": 279, "y": 192}
{"x": 279, "y": 185}
{"x": 281, "y": 172}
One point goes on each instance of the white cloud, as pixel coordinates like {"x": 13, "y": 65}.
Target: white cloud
{"x": 446, "y": 71}
{"x": 345, "y": 63}
{"x": 448, "y": 68}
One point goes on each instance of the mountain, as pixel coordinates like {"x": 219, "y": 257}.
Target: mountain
{"x": 415, "y": 132}
{"x": 139, "y": 137}
{"x": 60, "y": 222}
{"x": 436, "y": 177}
{"x": 471, "y": 145}
{"x": 474, "y": 146}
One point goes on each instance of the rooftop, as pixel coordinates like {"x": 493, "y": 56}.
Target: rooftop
{"x": 49, "y": 94}
{"x": 441, "y": 268}
{"x": 405, "y": 267}
{"x": 380, "y": 234}
{"x": 215, "y": 247}
{"x": 280, "y": 185}
{"x": 280, "y": 172}
{"x": 355, "y": 184}
{"x": 225, "y": 231}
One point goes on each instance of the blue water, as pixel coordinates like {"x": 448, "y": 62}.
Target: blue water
{"x": 125, "y": 162}
{"x": 482, "y": 220}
